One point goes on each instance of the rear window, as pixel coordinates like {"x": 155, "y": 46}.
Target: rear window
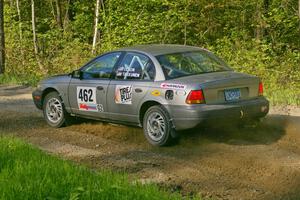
{"x": 190, "y": 63}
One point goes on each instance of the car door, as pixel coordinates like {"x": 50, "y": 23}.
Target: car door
{"x": 133, "y": 76}
{"x": 87, "y": 92}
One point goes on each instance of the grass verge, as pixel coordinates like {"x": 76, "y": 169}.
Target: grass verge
{"x": 28, "y": 173}
{"x": 19, "y": 80}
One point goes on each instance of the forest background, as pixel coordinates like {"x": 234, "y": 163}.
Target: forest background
{"x": 260, "y": 37}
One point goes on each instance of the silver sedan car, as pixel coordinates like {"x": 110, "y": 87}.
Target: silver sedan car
{"x": 162, "y": 88}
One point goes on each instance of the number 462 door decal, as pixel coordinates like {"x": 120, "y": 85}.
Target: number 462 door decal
{"x": 87, "y": 99}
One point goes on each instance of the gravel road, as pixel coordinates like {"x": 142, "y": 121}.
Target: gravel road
{"x": 260, "y": 162}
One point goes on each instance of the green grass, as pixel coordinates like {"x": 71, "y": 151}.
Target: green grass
{"x": 19, "y": 80}
{"x": 283, "y": 96}
{"x": 28, "y": 173}
{"x": 5, "y": 79}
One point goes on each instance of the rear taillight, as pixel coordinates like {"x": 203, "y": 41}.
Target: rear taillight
{"x": 260, "y": 89}
{"x": 195, "y": 97}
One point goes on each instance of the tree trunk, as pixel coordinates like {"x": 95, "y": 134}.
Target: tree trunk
{"x": 58, "y": 14}
{"x": 262, "y": 9}
{"x": 184, "y": 43}
{"x": 2, "y": 40}
{"x": 20, "y": 28}
{"x": 266, "y": 5}
{"x": 258, "y": 20}
{"x": 20, "y": 21}
{"x": 299, "y": 10}
{"x": 96, "y": 26}
{"x": 36, "y": 49}
{"x": 53, "y": 10}
{"x": 66, "y": 17}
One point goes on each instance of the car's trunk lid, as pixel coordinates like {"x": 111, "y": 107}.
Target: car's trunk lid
{"x": 224, "y": 87}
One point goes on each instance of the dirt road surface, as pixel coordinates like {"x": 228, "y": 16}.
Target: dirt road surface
{"x": 222, "y": 163}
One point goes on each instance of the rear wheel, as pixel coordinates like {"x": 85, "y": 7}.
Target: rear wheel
{"x": 158, "y": 128}
{"x": 53, "y": 110}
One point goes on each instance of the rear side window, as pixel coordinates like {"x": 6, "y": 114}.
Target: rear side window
{"x": 135, "y": 66}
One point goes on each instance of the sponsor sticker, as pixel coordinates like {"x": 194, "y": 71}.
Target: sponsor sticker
{"x": 100, "y": 108}
{"x": 180, "y": 92}
{"x": 86, "y": 99}
{"x": 125, "y": 69}
{"x": 87, "y": 107}
{"x": 128, "y": 72}
{"x": 155, "y": 93}
{"x": 173, "y": 86}
{"x": 123, "y": 94}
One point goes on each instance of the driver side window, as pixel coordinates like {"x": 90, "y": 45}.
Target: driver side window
{"x": 101, "y": 67}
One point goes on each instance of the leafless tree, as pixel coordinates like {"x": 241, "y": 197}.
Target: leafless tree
{"x": 36, "y": 49}
{"x": 96, "y": 25}
{"x": 58, "y": 14}
{"x": 20, "y": 27}
{"x": 66, "y": 17}
{"x": 299, "y": 9}
{"x": 2, "y": 40}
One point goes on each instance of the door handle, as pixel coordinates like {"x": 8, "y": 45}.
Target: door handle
{"x": 100, "y": 88}
{"x": 138, "y": 90}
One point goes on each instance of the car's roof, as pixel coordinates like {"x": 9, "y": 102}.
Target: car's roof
{"x": 160, "y": 49}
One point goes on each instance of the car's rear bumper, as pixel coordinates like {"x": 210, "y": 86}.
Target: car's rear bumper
{"x": 190, "y": 116}
{"x": 37, "y": 98}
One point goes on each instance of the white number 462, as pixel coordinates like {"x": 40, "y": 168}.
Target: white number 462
{"x": 86, "y": 95}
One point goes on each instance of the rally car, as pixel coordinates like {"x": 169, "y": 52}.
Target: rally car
{"x": 162, "y": 88}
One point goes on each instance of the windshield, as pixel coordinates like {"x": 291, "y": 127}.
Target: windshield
{"x": 190, "y": 63}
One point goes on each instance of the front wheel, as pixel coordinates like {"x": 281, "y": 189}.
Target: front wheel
{"x": 53, "y": 110}
{"x": 157, "y": 126}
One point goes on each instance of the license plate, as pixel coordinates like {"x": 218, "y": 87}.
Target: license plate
{"x": 232, "y": 94}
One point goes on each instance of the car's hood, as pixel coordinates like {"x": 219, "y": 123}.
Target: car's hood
{"x": 62, "y": 78}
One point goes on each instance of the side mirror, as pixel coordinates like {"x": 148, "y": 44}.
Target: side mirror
{"x": 77, "y": 74}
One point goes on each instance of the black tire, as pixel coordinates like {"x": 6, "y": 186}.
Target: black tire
{"x": 160, "y": 139}
{"x": 63, "y": 118}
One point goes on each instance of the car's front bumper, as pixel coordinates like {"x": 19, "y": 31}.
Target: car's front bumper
{"x": 37, "y": 98}
{"x": 190, "y": 116}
